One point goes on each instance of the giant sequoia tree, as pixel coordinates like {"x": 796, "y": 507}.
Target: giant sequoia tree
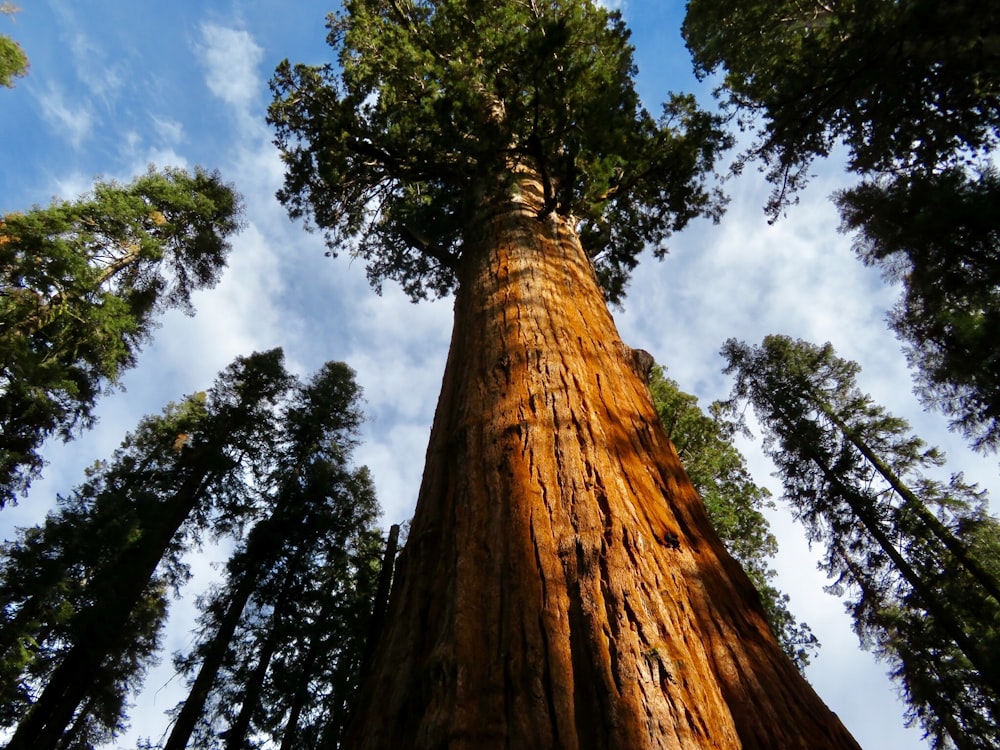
{"x": 718, "y": 471}
{"x": 561, "y": 585}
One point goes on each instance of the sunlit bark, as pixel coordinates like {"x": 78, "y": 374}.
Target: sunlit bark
{"x": 561, "y": 586}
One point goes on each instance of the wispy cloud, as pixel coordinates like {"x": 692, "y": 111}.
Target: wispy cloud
{"x": 72, "y": 121}
{"x": 230, "y": 58}
{"x": 168, "y": 131}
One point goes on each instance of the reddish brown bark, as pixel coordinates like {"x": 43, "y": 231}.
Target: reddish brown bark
{"x": 561, "y": 586}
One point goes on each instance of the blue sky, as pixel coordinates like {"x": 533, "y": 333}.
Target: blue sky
{"x": 117, "y": 85}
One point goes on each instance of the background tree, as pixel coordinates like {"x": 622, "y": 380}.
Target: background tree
{"x": 561, "y": 584}
{"x": 732, "y": 500}
{"x": 910, "y": 551}
{"x": 305, "y": 573}
{"x": 912, "y": 89}
{"x": 80, "y": 285}
{"x": 13, "y": 61}
{"x": 175, "y": 477}
{"x": 938, "y": 236}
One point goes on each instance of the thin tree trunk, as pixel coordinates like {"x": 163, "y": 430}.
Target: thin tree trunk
{"x": 936, "y": 608}
{"x": 236, "y": 735}
{"x": 861, "y": 508}
{"x": 562, "y": 586}
{"x": 194, "y": 705}
{"x": 289, "y": 734}
{"x": 935, "y": 700}
{"x": 97, "y": 630}
{"x": 914, "y": 503}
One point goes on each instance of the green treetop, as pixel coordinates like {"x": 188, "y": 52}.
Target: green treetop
{"x": 908, "y": 551}
{"x": 911, "y": 90}
{"x": 80, "y": 285}
{"x": 907, "y": 86}
{"x": 13, "y": 61}
{"x": 434, "y": 107}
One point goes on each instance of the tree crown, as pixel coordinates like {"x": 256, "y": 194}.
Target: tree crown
{"x": 905, "y": 85}
{"x": 435, "y": 105}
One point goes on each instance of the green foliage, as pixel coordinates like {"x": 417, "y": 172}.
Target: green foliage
{"x": 400, "y": 150}
{"x": 908, "y": 86}
{"x": 13, "y": 61}
{"x": 909, "y": 552}
{"x": 283, "y": 637}
{"x": 912, "y": 89}
{"x": 734, "y": 502}
{"x": 938, "y": 236}
{"x": 80, "y": 284}
{"x": 84, "y": 595}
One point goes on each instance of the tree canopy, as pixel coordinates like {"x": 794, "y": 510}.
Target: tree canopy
{"x": 280, "y": 642}
{"x": 80, "y": 285}
{"x": 938, "y": 235}
{"x": 908, "y": 86}
{"x": 912, "y": 90}
{"x": 432, "y": 109}
{"x": 13, "y": 61}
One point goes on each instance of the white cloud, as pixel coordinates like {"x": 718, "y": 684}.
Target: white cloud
{"x": 71, "y": 121}
{"x": 230, "y": 58}
{"x": 168, "y": 131}
{"x": 102, "y": 80}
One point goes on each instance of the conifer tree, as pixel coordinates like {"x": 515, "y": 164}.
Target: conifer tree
{"x": 561, "y": 585}
{"x": 909, "y": 552}
{"x": 80, "y": 286}
{"x": 302, "y": 580}
{"x": 911, "y": 91}
{"x": 85, "y": 622}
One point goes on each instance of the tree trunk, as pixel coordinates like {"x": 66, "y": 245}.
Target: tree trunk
{"x": 377, "y": 621}
{"x": 97, "y": 630}
{"x": 954, "y": 545}
{"x": 236, "y": 735}
{"x": 562, "y": 586}
{"x": 194, "y": 704}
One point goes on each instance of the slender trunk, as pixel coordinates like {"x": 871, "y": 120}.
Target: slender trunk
{"x": 236, "y": 735}
{"x": 97, "y": 630}
{"x": 377, "y": 621}
{"x": 860, "y": 506}
{"x": 562, "y": 586}
{"x": 915, "y": 504}
{"x": 935, "y": 607}
{"x": 194, "y": 705}
{"x": 939, "y": 701}
{"x": 73, "y": 733}
{"x": 289, "y": 734}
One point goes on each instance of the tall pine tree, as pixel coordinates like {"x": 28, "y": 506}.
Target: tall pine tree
{"x": 111, "y": 552}
{"x": 80, "y": 285}
{"x": 312, "y": 556}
